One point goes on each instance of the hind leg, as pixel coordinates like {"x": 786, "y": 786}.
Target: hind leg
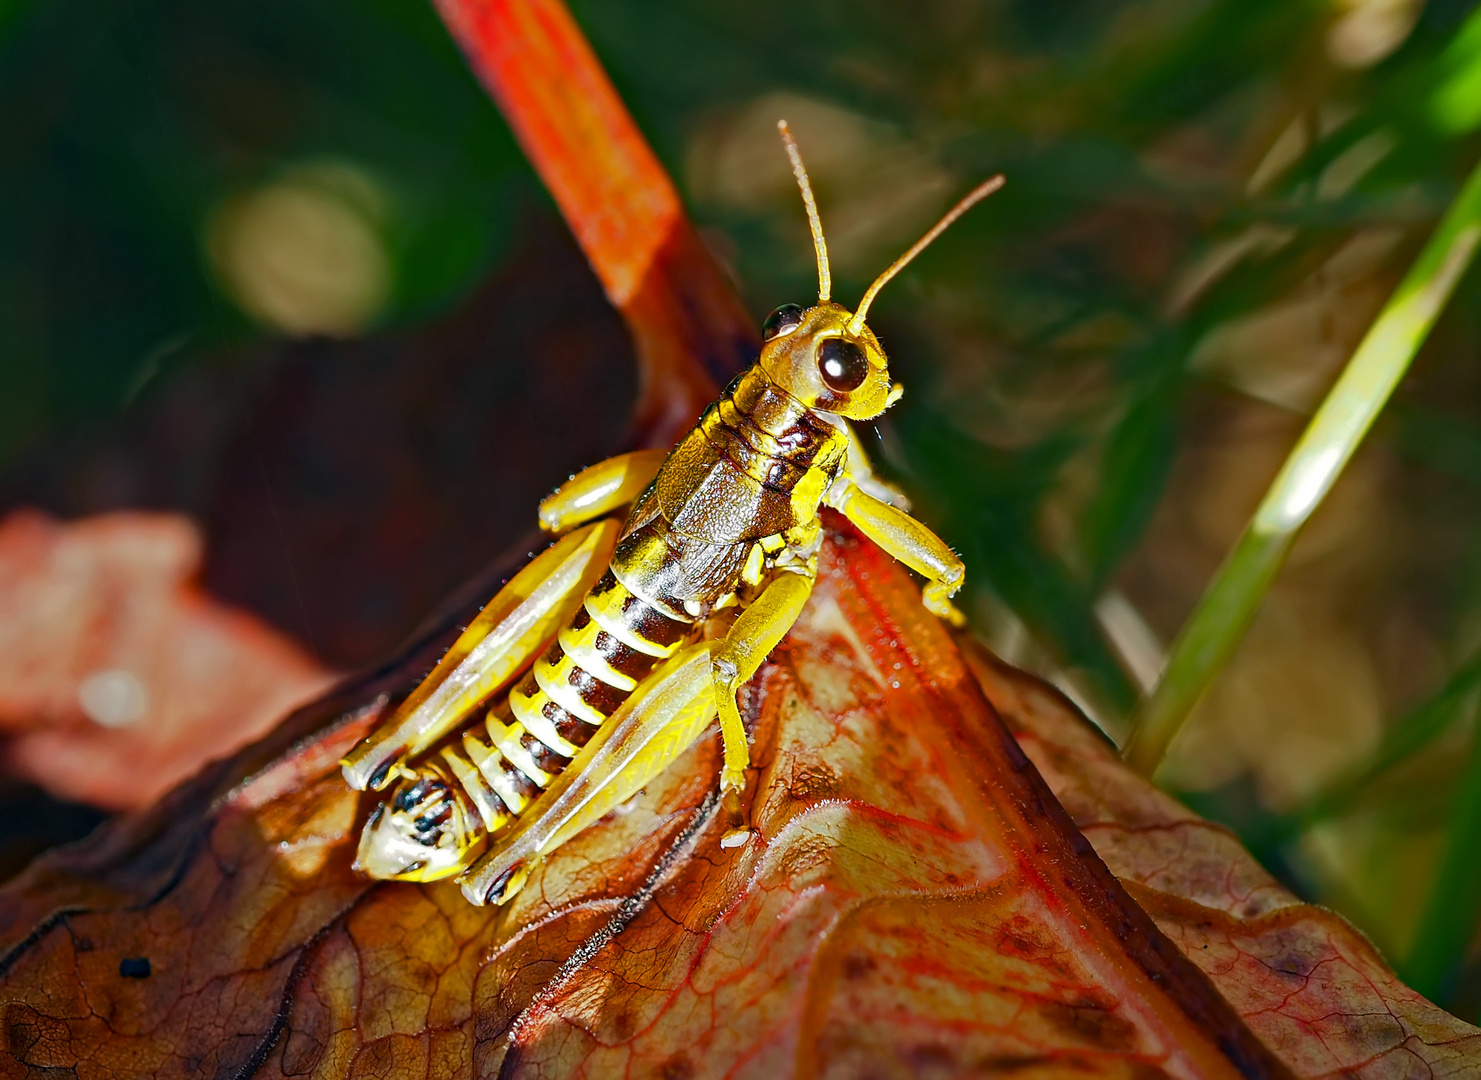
{"x": 512, "y": 630}
{"x": 599, "y": 490}
{"x": 669, "y": 710}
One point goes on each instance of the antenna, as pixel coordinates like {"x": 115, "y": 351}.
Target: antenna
{"x": 825, "y": 279}
{"x": 971, "y": 199}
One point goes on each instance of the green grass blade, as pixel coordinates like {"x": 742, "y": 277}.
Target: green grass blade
{"x": 1450, "y": 916}
{"x": 1219, "y": 622}
{"x": 1455, "y": 105}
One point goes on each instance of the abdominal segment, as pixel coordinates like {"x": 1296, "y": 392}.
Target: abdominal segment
{"x": 440, "y": 813}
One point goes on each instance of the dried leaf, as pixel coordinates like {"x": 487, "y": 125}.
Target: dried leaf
{"x": 918, "y": 904}
{"x": 1307, "y": 983}
{"x": 118, "y": 677}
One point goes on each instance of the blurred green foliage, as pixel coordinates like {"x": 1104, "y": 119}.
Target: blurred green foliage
{"x": 1212, "y": 634}
{"x": 128, "y": 125}
{"x": 1207, "y": 202}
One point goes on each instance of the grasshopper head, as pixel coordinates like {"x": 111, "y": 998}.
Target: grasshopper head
{"x": 820, "y": 360}
{"x": 826, "y": 356}
{"x": 423, "y": 832}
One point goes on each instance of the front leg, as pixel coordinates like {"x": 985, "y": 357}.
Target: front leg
{"x": 908, "y": 541}
{"x": 759, "y": 629}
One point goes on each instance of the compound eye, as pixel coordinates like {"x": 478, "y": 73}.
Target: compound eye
{"x": 783, "y": 320}
{"x": 843, "y": 365}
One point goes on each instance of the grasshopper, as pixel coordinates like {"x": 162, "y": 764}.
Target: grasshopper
{"x": 657, "y": 620}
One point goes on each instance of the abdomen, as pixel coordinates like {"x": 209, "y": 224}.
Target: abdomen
{"x": 611, "y": 644}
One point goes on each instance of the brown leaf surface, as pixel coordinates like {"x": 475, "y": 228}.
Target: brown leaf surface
{"x": 918, "y": 904}
{"x": 1308, "y": 983}
{"x": 103, "y": 614}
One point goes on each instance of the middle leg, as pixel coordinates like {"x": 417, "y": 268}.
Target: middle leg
{"x": 759, "y": 629}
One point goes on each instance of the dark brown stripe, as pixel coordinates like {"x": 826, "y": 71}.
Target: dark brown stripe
{"x": 495, "y": 800}
{"x": 623, "y": 659}
{"x": 520, "y": 782}
{"x": 639, "y": 617}
{"x": 573, "y": 729}
{"x": 543, "y": 756}
{"x": 651, "y": 624}
{"x": 601, "y": 697}
{"x": 605, "y": 584}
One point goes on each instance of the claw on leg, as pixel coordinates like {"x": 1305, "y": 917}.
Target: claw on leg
{"x": 937, "y": 598}
{"x": 908, "y": 540}
{"x": 733, "y": 812}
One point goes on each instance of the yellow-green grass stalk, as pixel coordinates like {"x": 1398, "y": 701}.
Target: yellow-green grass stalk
{"x": 1222, "y": 616}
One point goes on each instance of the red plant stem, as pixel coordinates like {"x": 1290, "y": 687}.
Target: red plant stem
{"x": 687, "y": 323}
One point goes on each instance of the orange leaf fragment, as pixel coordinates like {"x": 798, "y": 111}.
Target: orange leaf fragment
{"x": 118, "y": 676}
{"x": 918, "y": 903}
